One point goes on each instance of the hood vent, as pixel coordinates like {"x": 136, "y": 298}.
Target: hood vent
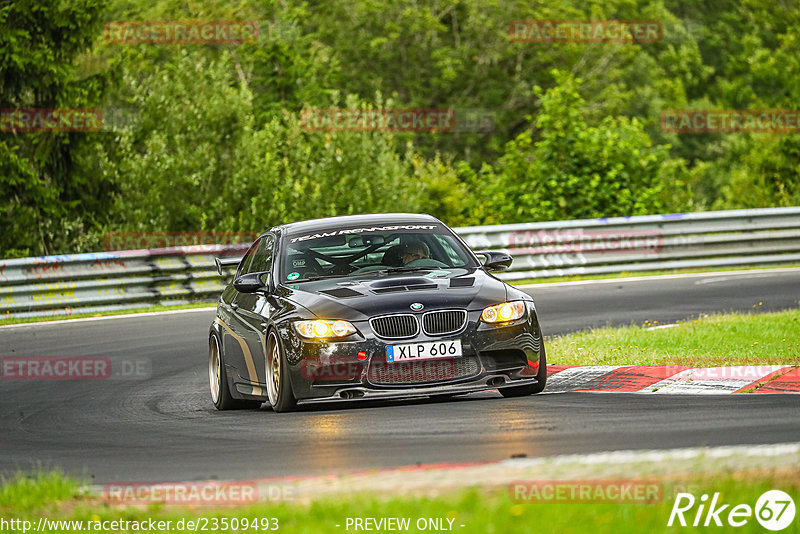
{"x": 395, "y": 289}
{"x": 394, "y": 282}
{"x": 342, "y": 292}
{"x": 393, "y": 285}
{"x": 461, "y": 282}
{"x": 389, "y": 289}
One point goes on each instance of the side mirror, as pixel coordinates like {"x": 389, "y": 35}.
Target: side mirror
{"x": 496, "y": 261}
{"x": 249, "y": 283}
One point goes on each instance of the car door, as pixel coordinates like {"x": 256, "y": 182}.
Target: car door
{"x": 235, "y": 332}
{"x": 253, "y": 309}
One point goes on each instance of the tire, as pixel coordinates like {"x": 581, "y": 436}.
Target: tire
{"x": 541, "y": 376}
{"x": 218, "y": 381}
{"x": 279, "y": 386}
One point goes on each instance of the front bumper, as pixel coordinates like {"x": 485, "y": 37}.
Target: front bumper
{"x": 483, "y": 383}
{"x": 492, "y": 357}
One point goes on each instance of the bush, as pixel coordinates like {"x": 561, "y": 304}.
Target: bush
{"x": 572, "y": 170}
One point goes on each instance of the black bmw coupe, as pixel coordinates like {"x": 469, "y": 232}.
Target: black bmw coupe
{"x": 369, "y": 307}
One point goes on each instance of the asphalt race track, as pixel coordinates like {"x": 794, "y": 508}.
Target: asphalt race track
{"x": 575, "y": 306}
{"x": 165, "y": 428}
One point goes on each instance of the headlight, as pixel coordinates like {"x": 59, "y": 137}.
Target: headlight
{"x": 323, "y": 329}
{"x": 503, "y": 313}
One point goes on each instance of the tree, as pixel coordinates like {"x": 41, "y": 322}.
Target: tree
{"x": 43, "y": 199}
{"x": 573, "y": 170}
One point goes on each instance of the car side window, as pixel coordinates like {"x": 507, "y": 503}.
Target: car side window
{"x": 248, "y": 258}
{"x": 262, "y": 260}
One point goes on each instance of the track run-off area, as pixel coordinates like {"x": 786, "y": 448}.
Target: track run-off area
{"x": 153, "y": 420}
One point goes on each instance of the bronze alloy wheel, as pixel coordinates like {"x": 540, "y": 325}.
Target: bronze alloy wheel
{"x": 213, "y": 368}
{"x": 273, "y": 368}
{"x": 279, "y": 388}
{"x": 218, "y": 380}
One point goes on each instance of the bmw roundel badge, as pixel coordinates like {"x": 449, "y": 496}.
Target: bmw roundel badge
{"x": 416, "y": 306}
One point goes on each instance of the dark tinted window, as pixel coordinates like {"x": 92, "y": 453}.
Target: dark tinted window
{"x": 262, "y": 260}
{"x": 340, "y": 251}
{"x": 248, "y": 258}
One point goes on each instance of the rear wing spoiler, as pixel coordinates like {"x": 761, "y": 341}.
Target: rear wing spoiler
{"x": 223, "y": 263}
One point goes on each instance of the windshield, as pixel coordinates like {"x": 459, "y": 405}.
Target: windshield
{"x": 340, "y": 252}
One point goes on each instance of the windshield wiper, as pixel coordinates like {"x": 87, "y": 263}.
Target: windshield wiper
{"x": 406, "y": 269}
{"x": 317, "y": 277}
{"x": 388, "y": 270}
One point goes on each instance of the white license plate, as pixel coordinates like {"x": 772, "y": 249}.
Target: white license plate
{"x": 423, "y": 351}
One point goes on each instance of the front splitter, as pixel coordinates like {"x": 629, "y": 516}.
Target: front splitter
{"x": 357, "y": 393}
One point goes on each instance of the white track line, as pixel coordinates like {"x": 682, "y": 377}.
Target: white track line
{"x": 660, "y": 455}
{"x": 107, "y": 317}
{"x": 663, "y": 464}
{"x": 766, "y": 272}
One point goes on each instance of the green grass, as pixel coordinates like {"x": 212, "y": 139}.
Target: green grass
{"x": 31, "y": 493}
{"x": 145, "y": 309}
{"x": 479, "y": 510}
{"x": 732, "y": 339}
{"x": 628, "y": 274}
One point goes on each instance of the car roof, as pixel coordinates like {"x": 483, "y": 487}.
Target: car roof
{"x": 356, "y": 220}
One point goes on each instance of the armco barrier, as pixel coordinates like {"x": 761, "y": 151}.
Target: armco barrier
{"x": 768, "y": 236}
{"x": 80, "y": 283}
{"x": 104, "y": 281}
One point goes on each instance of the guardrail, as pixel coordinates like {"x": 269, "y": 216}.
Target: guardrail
{"x": 106, "y": 281}
{"x": 91, "y": 283}
{"x": 768, "y": 236}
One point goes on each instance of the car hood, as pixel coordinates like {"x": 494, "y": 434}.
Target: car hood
{"x": 359, "y": 299}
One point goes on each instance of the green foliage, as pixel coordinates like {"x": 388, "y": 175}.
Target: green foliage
{"x": 198, "y": 159}
{"x": 458, "y": 54}
{"x": 574, "y": 170}
{"x": 768, "y": 174}
{"x": 216, "y": 142}
{"x": 42, "y": 191}
{"x": 181, "y": 149}
{"x": 286, "y": 173}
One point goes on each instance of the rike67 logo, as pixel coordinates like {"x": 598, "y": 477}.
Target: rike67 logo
{"x": 774, "y": 510}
